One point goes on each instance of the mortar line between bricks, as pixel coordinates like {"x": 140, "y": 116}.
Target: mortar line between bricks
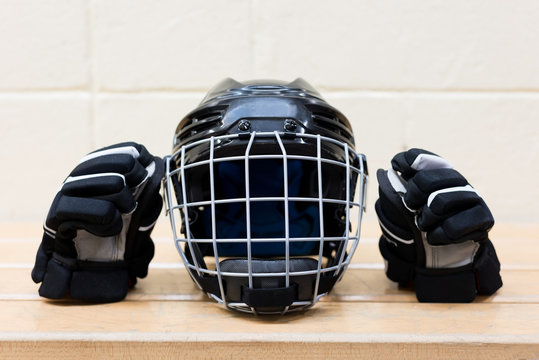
{"x": 94, "y": 92}
{"x": 97, "y": 94}
{"x": 333, "y": 91}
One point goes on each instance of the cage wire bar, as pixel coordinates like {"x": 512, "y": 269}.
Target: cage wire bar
{"x": 348, "y": 242}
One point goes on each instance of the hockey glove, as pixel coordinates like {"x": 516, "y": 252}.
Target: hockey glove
{"x": 435, "y": 230}
{"x": 96, "y": 239}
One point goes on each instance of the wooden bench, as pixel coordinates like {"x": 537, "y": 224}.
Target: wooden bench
{"x": 366, "y": 316}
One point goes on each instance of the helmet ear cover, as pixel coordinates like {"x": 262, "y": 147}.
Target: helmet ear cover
{"x": 265, "y": 215}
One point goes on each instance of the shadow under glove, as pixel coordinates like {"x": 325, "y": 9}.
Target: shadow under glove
{"x": 96, "y": 239}
{"x": 435, "y": 230}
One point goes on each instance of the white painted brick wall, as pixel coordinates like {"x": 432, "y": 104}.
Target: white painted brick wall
{"x": 121, "y": 117}
{"x": 43, "y": 45}
{"x": 491, "y": 138}
{"x": 42, "y": 138}
{"x": 387, "y": 44}
{"x": 460, "y": 78}
{"x": 147, "y": 44}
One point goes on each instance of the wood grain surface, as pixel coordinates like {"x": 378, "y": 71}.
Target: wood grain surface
{"x": 366, "y": 315}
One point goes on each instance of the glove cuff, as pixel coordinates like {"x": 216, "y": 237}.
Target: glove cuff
{"x": 85, "y": 280}
{"x": 459, "y": 285}
{"x": 100, "y": 285}
{"x": 445, "y": 285}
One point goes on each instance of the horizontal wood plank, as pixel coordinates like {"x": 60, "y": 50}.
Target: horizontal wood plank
{"x": 234, "y": 349}
{"x": 329, "y": 321}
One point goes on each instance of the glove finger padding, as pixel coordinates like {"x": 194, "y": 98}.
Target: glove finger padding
{"x": 435, "y": 230}
{"x": 97, "y": 232}
{"x": 426, "y": 182}
{"x": 408, "y": 163}
{"x": 455, "y": 215}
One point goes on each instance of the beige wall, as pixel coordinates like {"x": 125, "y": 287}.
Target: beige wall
{"x": 460, "y": 78}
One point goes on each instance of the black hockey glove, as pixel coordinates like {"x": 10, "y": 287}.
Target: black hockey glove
{"x": 435, "y": 230}
{"x": 97, "y": 233}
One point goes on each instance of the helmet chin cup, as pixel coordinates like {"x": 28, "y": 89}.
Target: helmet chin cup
{"x": 265, "y": 194}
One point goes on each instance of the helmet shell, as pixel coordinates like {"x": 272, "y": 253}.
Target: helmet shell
{"x": 263, "y": 105}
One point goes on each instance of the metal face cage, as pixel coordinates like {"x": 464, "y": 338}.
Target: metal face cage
{"x": 266, "y": 222}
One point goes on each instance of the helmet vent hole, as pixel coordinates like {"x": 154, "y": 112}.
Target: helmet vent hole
{"x": 206, "y": 122}
{"x": 327, "y": 121}
{"x": 264, "y": 88}
{"x": 202, "y": 121}
{"x": 332, "y": 121}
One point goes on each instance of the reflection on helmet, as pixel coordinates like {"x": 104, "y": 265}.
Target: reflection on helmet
{"x": 262, "y": 195}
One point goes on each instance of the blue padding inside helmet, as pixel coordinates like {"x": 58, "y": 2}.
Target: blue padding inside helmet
{"x": 267, "y": 217}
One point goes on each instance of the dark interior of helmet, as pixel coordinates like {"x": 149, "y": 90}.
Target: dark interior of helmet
{"x": 267, "y": 206}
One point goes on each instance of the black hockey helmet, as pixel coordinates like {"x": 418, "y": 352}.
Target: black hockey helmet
{"x": 261, "y": 191}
